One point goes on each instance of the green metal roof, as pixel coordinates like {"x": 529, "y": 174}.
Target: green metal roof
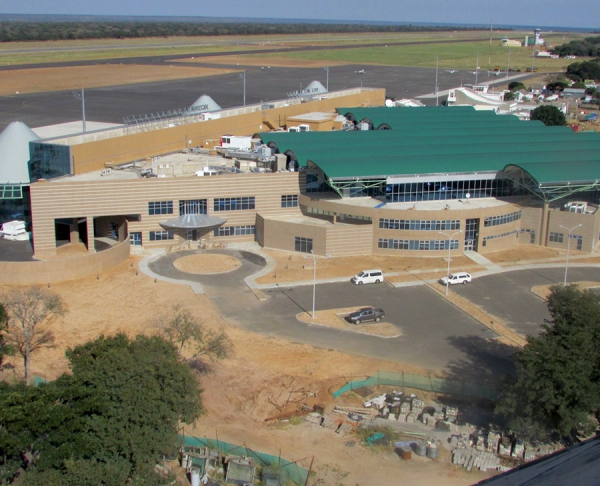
{"x": 441, "y": 140}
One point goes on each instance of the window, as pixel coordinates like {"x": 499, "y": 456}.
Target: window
{"x": 579, "y": 240}
{"x": 161, "y": 235}
{"x": 420, "y": 225}
{"x": 234, "y": 203}
{"x": 423, "y": 245}
{"x": 234, "y": 230}
{"x": 503, "y": 235}
{"x": 556, "y": 237}
{"x": 192, "y": 206}
{"x": 531, "y": 235}
{"x": 304, "y": 245}
{"x": 503, "y": 219}
{"x": 135, "y": 239}
{"x": 160, "y": 207}
{"x": 289, "y": 201}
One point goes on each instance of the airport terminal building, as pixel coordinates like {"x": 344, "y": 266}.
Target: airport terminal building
{"x": 362, "y": 180}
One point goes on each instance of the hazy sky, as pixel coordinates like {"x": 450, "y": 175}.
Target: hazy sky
{"x": 562, "y": 13}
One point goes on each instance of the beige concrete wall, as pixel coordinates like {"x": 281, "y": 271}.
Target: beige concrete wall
{"x": 59, "y": 270}
{"x": 531, "y": 219}
{"x": 129, "y": 198}
{"x": 281, "y": 235}
{"x": 588, "y": 230}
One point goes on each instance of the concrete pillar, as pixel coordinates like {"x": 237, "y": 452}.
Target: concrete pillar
{"x": 90, "y": 234}
{"x": 74, "y": 231}
{"x": 544, "y": 228}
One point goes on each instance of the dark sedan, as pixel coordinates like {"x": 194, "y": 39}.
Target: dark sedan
{"x": 365, "y": 314}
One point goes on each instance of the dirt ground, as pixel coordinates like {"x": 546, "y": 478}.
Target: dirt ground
{"x": 36, "y": 80}
{"x": 244, "y": 390}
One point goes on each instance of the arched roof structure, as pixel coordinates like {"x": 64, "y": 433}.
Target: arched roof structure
{"x": 550, "y": 162}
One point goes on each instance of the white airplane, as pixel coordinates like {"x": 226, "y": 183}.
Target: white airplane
{"x": 451, "y": 71}
{"x": 496, "y": 73}
{"x": 362, "y": 71}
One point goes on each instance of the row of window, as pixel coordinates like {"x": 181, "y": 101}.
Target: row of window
{"x": 322, "y": 212}
{"x": 199, "y": 206}
{"x": 556, "y": 237}
{"x": 423, "y": 245}
{"x": 504, "y": 219}
{"x": 441, "y": 190}
{"x": 234, "y": 230}
{"x": 503, "y": 235}
{"x": 234, "y": 203}
{"x": 161, "y": 235}
{"x": 418, "y": 224}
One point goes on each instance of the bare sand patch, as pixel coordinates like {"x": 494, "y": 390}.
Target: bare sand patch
{"x": 294, "y": 267}
{"x": 336, "y": 318}
{"x": 37, "y": 80}
{"x": 207, "y": 263}
{"x": 543, "y": 291}
{"x": 524, "y": 253}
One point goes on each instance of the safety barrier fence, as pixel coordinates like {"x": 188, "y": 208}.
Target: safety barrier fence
{"x": 458, "y": 388}
{"x": 286, "y": 470}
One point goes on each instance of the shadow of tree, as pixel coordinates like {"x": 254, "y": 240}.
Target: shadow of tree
{"x": 478, "y": 374}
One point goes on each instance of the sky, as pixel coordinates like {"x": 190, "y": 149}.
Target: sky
{"x": 559, "y": 13}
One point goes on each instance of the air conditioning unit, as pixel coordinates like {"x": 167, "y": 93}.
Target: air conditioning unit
{"x": 105, "y": 172}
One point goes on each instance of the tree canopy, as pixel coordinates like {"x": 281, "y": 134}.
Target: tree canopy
{"x": 590, "y": 46}
{"x": 557, "y": 388}
{"x": 110, "y": 419}
{"x": 550, "y": 115}
{"x": 579, "y": 71}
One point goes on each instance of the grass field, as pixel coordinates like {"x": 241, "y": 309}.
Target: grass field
{"x": 451, "y": 54}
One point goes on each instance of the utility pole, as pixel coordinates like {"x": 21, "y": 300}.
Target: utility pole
{"x": 82, "y": 98}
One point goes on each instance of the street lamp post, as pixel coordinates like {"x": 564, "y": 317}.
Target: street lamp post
{"x": 315, "y": 259}
{"x": 82, "y": 98}
{"x": 449, "y": 248}
{"x": 243, "y": 76}
{"x": 568, "y": 249}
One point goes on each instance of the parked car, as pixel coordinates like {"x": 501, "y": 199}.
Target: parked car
{"x": 456, "y": 278}
{"x": 365, "y": 314}
{"x": 368, "y": 276}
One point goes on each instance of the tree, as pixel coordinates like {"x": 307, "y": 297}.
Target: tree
{"x": 515, "y": 86}
{"x": 106, "y": 423}
{"x": 4, "y": 347}
{"x": 550, "y": 115}
{"x": 557, "y": 388}
{"x": 187, "y": 332}
{"x": 29, "y": 309}
{"x": 509, "y": 96}
{"x": 557, "y": 86}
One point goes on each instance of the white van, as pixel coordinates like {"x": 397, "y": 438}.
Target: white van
{"x": 367, "y": 277}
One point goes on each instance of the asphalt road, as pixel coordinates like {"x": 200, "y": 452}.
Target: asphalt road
{"x": 434, "y": 334}
{"x": 508, "y": 296}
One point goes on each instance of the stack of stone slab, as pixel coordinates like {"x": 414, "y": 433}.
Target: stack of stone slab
{"x": 470, "y": 458}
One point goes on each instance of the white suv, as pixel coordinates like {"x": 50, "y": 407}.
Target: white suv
{"x": 456, "y": 278}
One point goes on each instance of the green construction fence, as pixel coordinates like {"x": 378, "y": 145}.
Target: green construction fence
{"x": 456, "y": 388}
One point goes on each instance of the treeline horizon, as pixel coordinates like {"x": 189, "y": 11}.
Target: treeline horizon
{"x": 19, "y": 31}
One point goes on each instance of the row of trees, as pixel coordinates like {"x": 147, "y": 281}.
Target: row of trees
{"x": 588, "y": 47}
{"x": 111, "y": 418}
{"x": 44, "y": 31}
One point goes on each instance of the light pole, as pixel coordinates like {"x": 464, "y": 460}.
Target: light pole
{"x": 449, "y": 248}
{"x": 243, "y": 76}
{"x": 568, "y": 248}
{"x": 82, "y": 98}
{"x": 315, "y": 259}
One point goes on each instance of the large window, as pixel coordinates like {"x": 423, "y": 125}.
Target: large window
{"x": 556, "y": 237}
{"x": 418, "y": 245}
{"x": 192, "y": 206}
{"x": 234, "y": 203}
{"x": 442, "y": 189}
{"x": 304, "y": 245}
{"x": 234, "y": 230}
{"x": 289, "y": 201}
{"x": 503, "y": 219}
{"x": 420, "y": 225}
{"x": 161, "y": 235}
{"x": 160, "y": 207}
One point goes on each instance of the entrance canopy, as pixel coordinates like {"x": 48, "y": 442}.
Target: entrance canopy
{"x": 193, "y": 221}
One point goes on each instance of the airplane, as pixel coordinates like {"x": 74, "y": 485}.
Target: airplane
{"x": 451, "y": 71}
{"x": 362, "y": 71}
{"x": 496, "y": 73}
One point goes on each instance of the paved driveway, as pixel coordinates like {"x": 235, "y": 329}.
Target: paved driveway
{"x": 508, "y": 295}
{"x": 435, "y": 334}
